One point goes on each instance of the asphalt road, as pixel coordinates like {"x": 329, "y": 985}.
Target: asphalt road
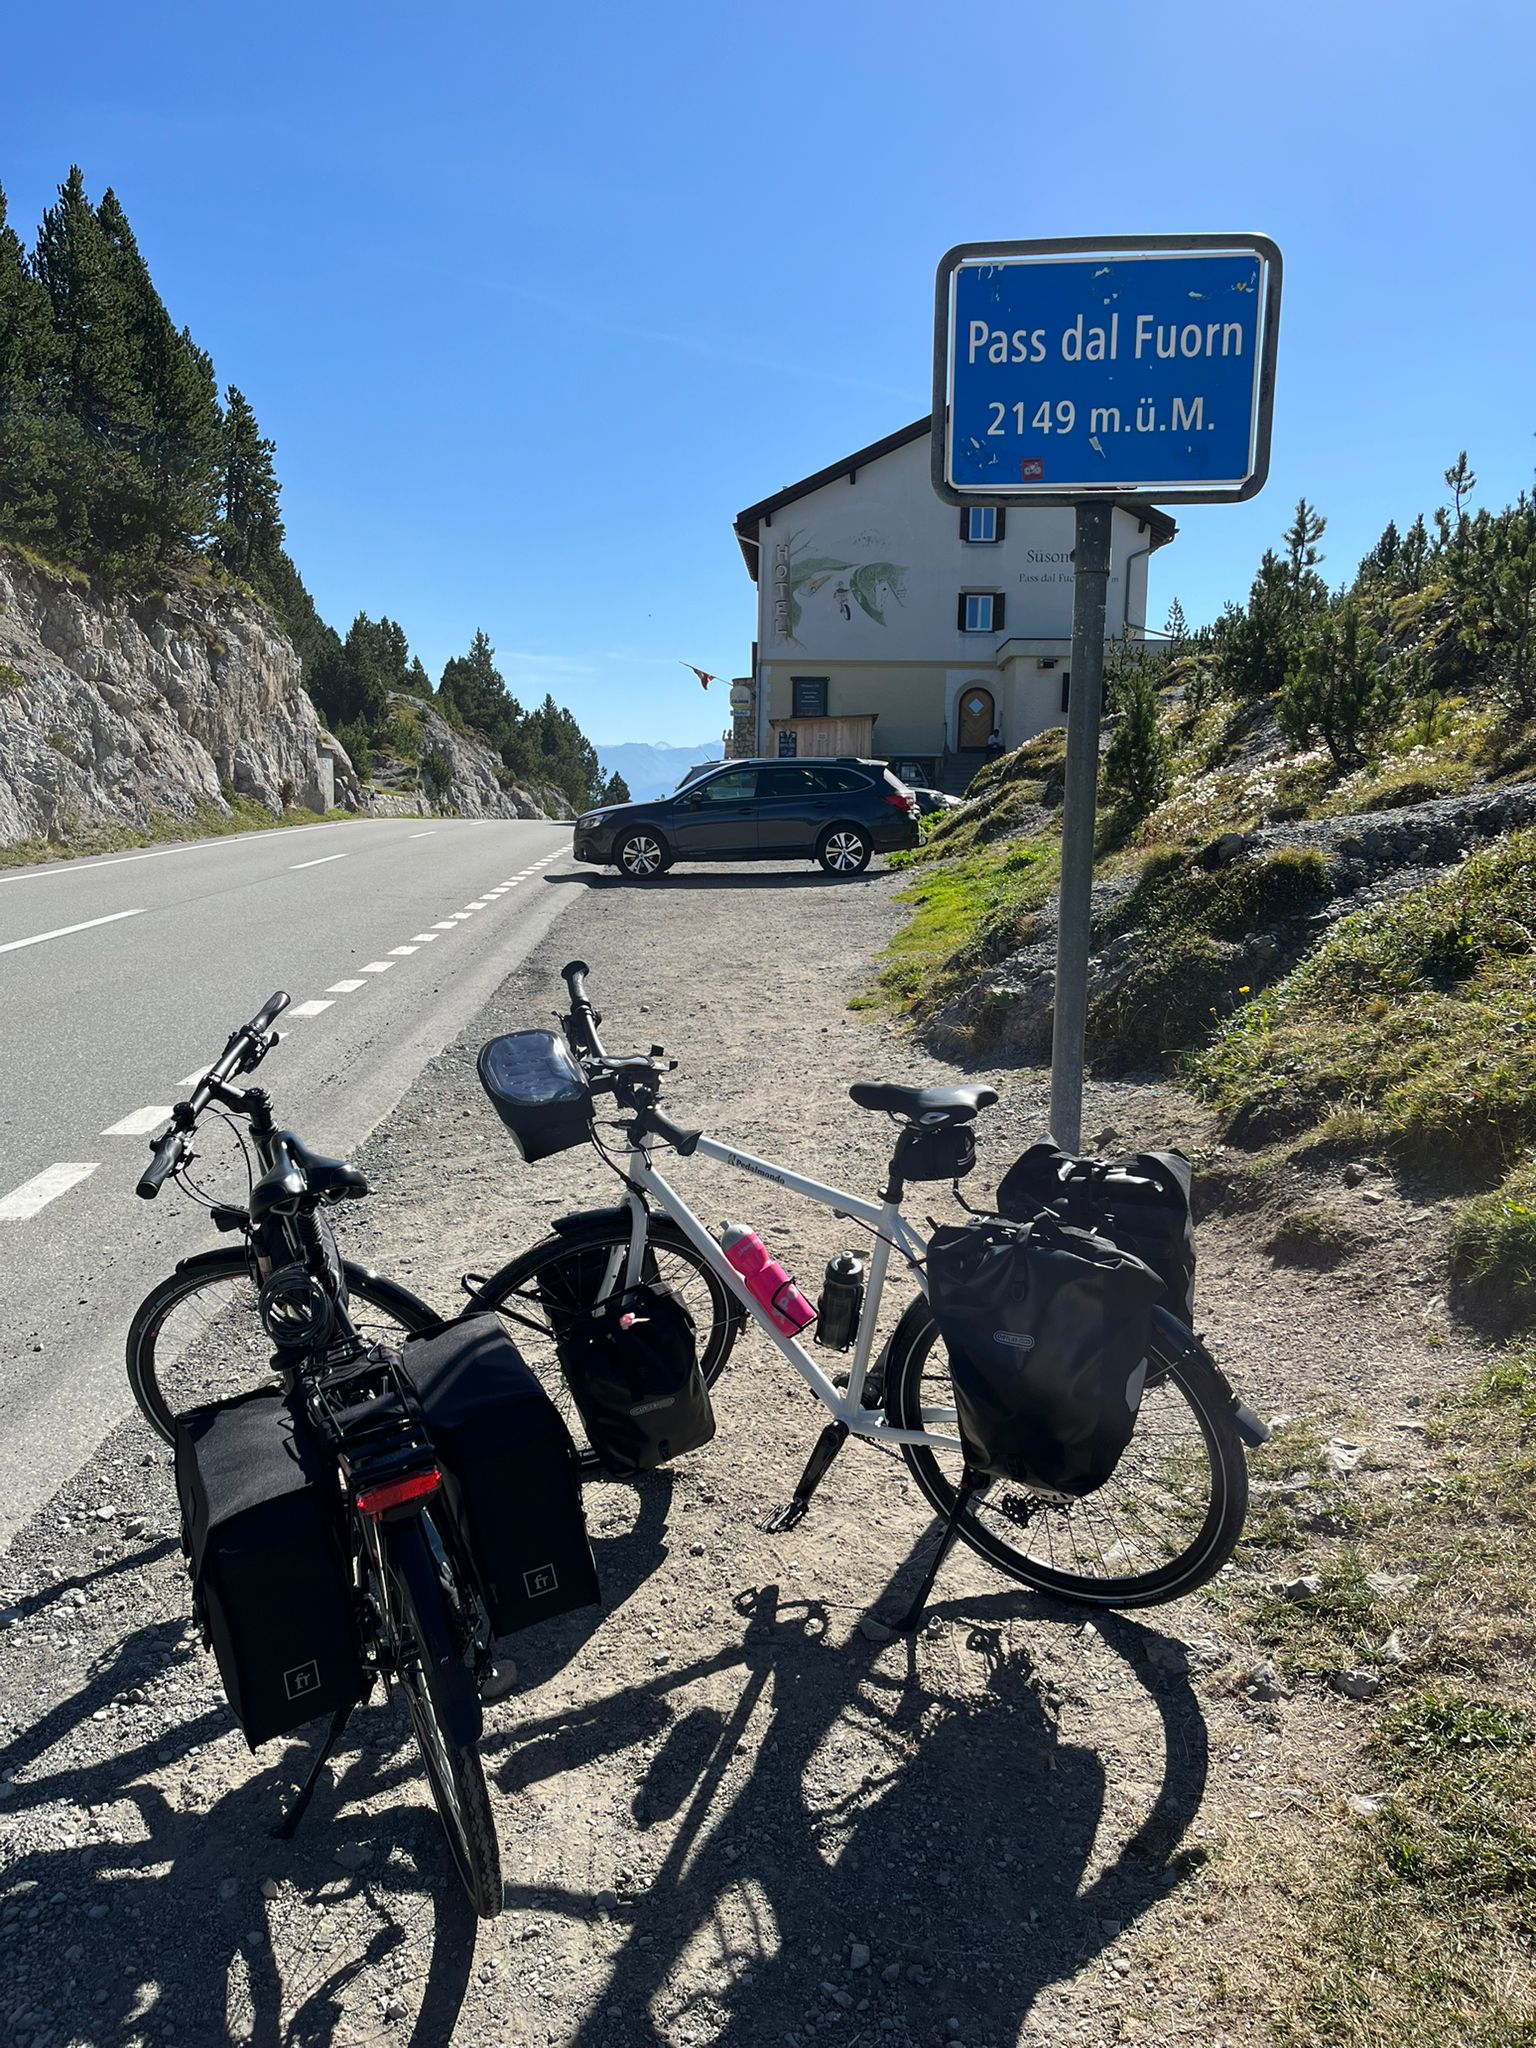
{"x": 121, "y": 978}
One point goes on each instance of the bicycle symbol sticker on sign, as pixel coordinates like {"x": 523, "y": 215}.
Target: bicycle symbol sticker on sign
{"x": 1072, "y": 369}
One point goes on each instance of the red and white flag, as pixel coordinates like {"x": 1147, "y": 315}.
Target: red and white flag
{"x": 704, "y": 678}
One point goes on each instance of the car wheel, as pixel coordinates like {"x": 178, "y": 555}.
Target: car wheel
{"x": 641, "y": 856}
{"x": 844, "y": 850}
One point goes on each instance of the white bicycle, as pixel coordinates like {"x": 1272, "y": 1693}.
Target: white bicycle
{"x": 1164, "y": 1523}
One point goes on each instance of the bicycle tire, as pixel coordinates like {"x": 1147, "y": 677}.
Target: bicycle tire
{"x": 555, "y": 1277}
{"x": 442, "y": 1700}
{"x": 1160, "y": 1464}
{"x": 238, "y": 1350}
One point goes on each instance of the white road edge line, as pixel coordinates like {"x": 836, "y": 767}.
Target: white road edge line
{"x": 64, "y": 930}
{"x": 344, "y": 988}
{"x": 320, "y": 863}
{"x": 40, "y": 1190}
{"x": 310, "y": 1009}
{"x": 140, "y": 1123}
{"x": 425, "y": 835}
{"x": 122, "y": 860}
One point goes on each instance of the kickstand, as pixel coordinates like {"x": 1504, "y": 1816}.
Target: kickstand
{"x": 287, "y": 1827}
{"x": 971, "y": 1484}
{"x": 825, "y": 1449}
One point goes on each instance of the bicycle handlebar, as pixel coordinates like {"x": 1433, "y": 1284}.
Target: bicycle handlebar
{"x": 583, "y": 1020}
{"x": 243, "y": 1052}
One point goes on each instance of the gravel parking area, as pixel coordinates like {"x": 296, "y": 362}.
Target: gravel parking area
{"x": 727, "y": 1814}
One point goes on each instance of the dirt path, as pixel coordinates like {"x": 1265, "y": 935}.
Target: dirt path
{"x": 727, "y": 1814}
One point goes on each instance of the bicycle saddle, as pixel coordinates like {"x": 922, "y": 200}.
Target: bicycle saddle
{"x": 298, "y": 1175}
{"x": 923, "y": 1105}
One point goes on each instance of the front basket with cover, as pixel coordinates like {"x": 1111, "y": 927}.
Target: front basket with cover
{"x": 538, "y": 1091}
{"x": 1048, "y": 1330}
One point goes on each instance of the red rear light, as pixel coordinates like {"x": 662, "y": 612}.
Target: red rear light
{"x": 904, "y": 802}
{"x": 393, "y": 1493}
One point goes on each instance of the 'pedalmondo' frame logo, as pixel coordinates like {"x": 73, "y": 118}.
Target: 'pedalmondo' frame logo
{"x": 1076, "y": 369}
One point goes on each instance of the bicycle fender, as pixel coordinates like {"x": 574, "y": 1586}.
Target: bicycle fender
{"x": 617, "y": 1218}
{"x": 1173, "y": 1332}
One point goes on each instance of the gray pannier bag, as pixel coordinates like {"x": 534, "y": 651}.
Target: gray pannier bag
{"x": 1048, "y": 1330}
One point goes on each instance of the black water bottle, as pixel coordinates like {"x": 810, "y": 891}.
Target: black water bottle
{"x": 841, "y": 1303}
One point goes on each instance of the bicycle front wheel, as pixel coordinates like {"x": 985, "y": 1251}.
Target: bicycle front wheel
{"x": 540, "y": 1295}
{"x": 436, "y": 1678}
{"x": 1165, "y": 1522}
{"x": 197, "y": 1336}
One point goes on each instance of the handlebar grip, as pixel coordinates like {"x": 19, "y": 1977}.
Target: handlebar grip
{"x": 583, "y": 1020}
{"x": 274, "y": 1006}
{"x": 574, "y": 975}
{"x": 169, "y": 1153}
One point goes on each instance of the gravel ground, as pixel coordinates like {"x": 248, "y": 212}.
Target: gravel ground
{"x": 727, "y": 1814}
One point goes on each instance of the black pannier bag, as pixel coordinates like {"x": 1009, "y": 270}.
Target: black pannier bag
{"x": 1048, "y": 1330}
{"x": 1140, "y": 1203}
{"x": 538, "y": 1091}
{"x": 264, "y": 1529}
{"x": 509, "y": 1471}
{"x": 631, "y": 1364}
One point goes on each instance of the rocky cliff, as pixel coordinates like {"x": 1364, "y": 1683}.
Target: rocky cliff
{"x": 122, "y": 711}
{"x": 450, "y": 770}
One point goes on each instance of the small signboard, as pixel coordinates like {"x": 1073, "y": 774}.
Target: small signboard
{"x": 1123, "y": 367}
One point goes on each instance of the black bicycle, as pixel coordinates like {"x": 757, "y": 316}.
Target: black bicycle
{"x": 286, "y": 1303}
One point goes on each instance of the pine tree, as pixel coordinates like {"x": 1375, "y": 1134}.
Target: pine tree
{"x": 1138, "y": 766}
{"x": 1337, "y": 689}
{"x": 473, "y": 685}
{"x": 1460, "y": 482}
{"x": 1307, "y": 589}
{"x": 1253, "y": 644}
{"x": 250, "y": 526}
{"x": 1175, "y": 630}
{"x": 103, "y": 409}
{"x": 1494, "y": 578}
{"x": 28, "y": 353}
{"x": 615, "y": 790}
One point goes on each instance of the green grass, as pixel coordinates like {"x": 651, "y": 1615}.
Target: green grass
{"x": 11, "y": 680}
{"x": 1413, "y": 1923}
{"x": 1312, "y": 1237}
{"x": 1493, "y": 1254}
{"x": 1410, "y": 1030}
{"x": 206, "y": 822}
{"x": 968, "y": 912}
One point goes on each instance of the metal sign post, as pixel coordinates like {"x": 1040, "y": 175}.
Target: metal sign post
{"x": 1093, "y": 373}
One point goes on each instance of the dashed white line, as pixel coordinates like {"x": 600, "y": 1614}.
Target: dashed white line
{"x": 425, "y": 835}
{"x": 343, "y": 988}
{"x": 141, "y": 1122}
{"x": 320, "y": 863}
{"x": 36, "y": 1193}
{"x": 480, "y": 903}
{"x": 423, "y": 938}
{"x": 376, "y": 966}
{"x": 64, "y": 930}
{"x": 401, "y": 952}
{"x": 310, "y": 1009}
{"x": 444, "y": 925}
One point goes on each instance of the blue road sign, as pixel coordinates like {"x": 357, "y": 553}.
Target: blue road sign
{"x": 1073, "y": 370}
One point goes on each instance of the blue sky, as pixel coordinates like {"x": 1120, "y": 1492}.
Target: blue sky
{"x": 533, "y": 301}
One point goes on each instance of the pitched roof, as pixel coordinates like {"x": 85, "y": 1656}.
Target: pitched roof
{"x": 746, "y": 523}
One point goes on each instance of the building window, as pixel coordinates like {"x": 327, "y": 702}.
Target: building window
{"x": 1066, "y": 690}
{"x": 980, "y": 611}
{"x": 809, "y": 696}
{"x": 982, "y": 525}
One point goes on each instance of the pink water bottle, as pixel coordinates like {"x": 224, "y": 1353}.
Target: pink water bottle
{"x": 766, "y": 1279}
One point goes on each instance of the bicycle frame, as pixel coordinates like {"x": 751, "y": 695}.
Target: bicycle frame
{"x": 892, "y": 1233}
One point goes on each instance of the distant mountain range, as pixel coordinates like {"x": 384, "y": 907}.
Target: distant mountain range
{"x": 653, "y": 771}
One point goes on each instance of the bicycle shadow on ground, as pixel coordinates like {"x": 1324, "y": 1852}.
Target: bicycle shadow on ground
{"x": 954, "y": 1827}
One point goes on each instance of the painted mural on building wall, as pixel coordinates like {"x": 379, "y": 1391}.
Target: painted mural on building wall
{"x": 832, "y": 587}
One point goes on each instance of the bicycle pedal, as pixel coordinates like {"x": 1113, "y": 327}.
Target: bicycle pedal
{"x": 500, "y": 1680}
{"x": 789, "y": 1516}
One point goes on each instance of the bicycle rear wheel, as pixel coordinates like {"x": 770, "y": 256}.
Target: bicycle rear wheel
{"x": 1165, "y": 1522}
{"x": 196, "y": 1337}
{"x": 434, "y": 1670}
{"x": 540, "y": 1295}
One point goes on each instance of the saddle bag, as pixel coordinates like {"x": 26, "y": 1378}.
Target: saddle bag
{"x": 1048, "y": 1329}
{"x": 264, "y": 1529}
{"x": 509, "y": 1471}
{"x": 1140, "y": 1203}
{"x": 631, "y": 1363}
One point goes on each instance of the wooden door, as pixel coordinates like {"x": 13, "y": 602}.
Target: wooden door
{"x": 978, "y": 715}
